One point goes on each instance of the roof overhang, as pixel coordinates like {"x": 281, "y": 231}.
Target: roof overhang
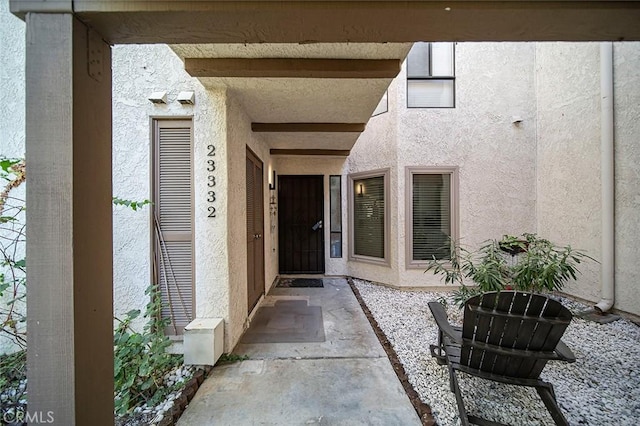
{"x": 301, "y": 97}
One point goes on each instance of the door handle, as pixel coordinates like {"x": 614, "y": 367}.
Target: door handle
{"x": 317, "y": 226}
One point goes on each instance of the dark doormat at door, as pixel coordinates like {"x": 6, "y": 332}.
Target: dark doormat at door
{"x": 300, "y": 282}
{"x": 288, "y": 321}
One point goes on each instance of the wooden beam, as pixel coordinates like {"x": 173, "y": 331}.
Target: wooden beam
{"x": 211, "y": 21}
{"x": 69, "y": 222}
{"x": 292, "y": 67}
{"x": 309, "y": 127}
{"x": 333, "y": 152}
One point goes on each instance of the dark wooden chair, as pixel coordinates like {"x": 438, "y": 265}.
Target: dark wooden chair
{"x": 506, "y": 337}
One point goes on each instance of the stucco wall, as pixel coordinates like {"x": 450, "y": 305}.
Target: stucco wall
{"x": 569, "y": 183}
{"x": 12, "y": 116}
{"x": 627, "y": 158}
{"x": 12, "y": 83}
{"x": 137, "y": 72}
{"x": 239, "y": 137}
{"x": 568, "y": 93}
{"x": 377, "y": 148}
{"x": 496, "y": 158}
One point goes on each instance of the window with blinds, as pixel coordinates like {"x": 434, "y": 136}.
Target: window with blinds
{"x": 173, "y": 220}
{"x": 369, "y": 216}
{"x": 431, "y": 75}
{"x": 432, "y": 217}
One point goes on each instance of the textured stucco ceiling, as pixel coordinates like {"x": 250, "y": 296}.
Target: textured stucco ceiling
{"x": 302, "y": 100}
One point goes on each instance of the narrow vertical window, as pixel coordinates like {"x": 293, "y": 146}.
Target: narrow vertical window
{"x": 431, "y": 219}
{"x": 173, "y": 220}
{"x": 431, "y": 75}
{"x": 335, "y": 198}
{"x": 369, "y": 213}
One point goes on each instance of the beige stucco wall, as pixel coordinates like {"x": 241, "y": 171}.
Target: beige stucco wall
{"x": 239, "y": 137}
{"x": 12, "y": 116}
{"x": 569, "y": 183}
{"x": 496, "y": 158}
{"x": 137, "y": 72}
{"x": 627, "y": 158}
{"x": 568, "y": 93}
{"x": 377, "y": 148}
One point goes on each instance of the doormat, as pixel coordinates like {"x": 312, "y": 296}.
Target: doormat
{"x": 300, "y": 282}
{"x": 288, "y": 321}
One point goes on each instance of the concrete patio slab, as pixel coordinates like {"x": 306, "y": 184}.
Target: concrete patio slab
{"x": 345, "y": 380}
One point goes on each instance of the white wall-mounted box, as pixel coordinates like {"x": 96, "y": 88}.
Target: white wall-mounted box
{"x": 203, "y": 341}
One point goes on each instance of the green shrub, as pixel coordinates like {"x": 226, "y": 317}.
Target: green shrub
{"x": 536, "y": 265}
{"x": 141, "y": 360}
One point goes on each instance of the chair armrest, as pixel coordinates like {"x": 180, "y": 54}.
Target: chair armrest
{"x": 564, "y": 352}
{"x": 440, "y": 315}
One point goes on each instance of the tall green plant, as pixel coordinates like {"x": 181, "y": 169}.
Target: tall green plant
{"x": 536, "y": 265}
{"x": 140, "y": 359}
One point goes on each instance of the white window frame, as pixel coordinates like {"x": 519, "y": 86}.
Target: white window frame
{"x": 410, "y": 171}
{"x": 432, "y": 77}
{"x": 385, "y": 173}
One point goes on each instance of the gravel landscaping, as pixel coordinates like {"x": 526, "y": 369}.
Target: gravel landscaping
{"x": 601, "y": 388}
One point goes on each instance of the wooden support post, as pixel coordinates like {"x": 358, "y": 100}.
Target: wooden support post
{"x": 69, "y": 222}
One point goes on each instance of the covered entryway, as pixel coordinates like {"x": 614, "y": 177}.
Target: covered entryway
{"x": 68, "y": 131}
{"x": 300, "y": 224}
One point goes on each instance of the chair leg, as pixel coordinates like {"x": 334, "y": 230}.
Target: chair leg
{"x": 547, "y": 394}
{"x": 455, "y": 388}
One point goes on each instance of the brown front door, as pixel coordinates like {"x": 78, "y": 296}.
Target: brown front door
{"x": 255, "y": 230}
{"x": 300, "y": 226}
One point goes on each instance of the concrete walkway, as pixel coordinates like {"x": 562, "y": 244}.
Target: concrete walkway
{"x": 344, "y": 380}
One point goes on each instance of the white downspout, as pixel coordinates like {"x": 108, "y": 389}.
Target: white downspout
{"x": 608, "y": 178}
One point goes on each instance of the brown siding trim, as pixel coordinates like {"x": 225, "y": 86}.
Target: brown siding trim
{"x": 333, "y": 152}
{"x": 308, "y": 127}
{"x": 292, "y": 67}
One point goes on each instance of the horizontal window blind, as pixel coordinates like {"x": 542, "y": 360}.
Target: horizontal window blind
{"x": 368, "y": 232}
{"x": 431, "y": 216}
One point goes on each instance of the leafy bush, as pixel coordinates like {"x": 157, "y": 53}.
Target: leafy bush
{"x": 141, "y": 360}
{"x": 535, "y": 265}
{"x": 12, "y": 249}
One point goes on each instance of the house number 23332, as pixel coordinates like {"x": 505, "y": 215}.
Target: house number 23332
{"x": 211, "y": 181}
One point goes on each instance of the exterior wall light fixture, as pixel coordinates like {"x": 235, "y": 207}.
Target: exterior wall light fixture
{"x": 272, "y": 184}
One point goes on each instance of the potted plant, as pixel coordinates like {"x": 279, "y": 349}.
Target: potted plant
{"x": 537, "y": 265}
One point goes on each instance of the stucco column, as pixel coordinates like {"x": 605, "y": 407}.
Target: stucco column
{"x": 69, "y": 225}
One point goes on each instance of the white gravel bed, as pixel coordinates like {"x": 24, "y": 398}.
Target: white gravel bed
{"x": 601, "y": 388}
{"x": 146, "y": 415}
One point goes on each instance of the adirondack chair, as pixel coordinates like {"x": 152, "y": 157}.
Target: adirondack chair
{"x": 506, "y": 337}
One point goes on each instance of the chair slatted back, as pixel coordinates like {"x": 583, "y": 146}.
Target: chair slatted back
{"x": 514, "y": 321}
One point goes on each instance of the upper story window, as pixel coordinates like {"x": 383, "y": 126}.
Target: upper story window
{"x": 431, "y": 75}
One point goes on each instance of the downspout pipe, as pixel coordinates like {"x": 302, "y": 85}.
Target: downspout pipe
{"x": 608, "y": 178}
